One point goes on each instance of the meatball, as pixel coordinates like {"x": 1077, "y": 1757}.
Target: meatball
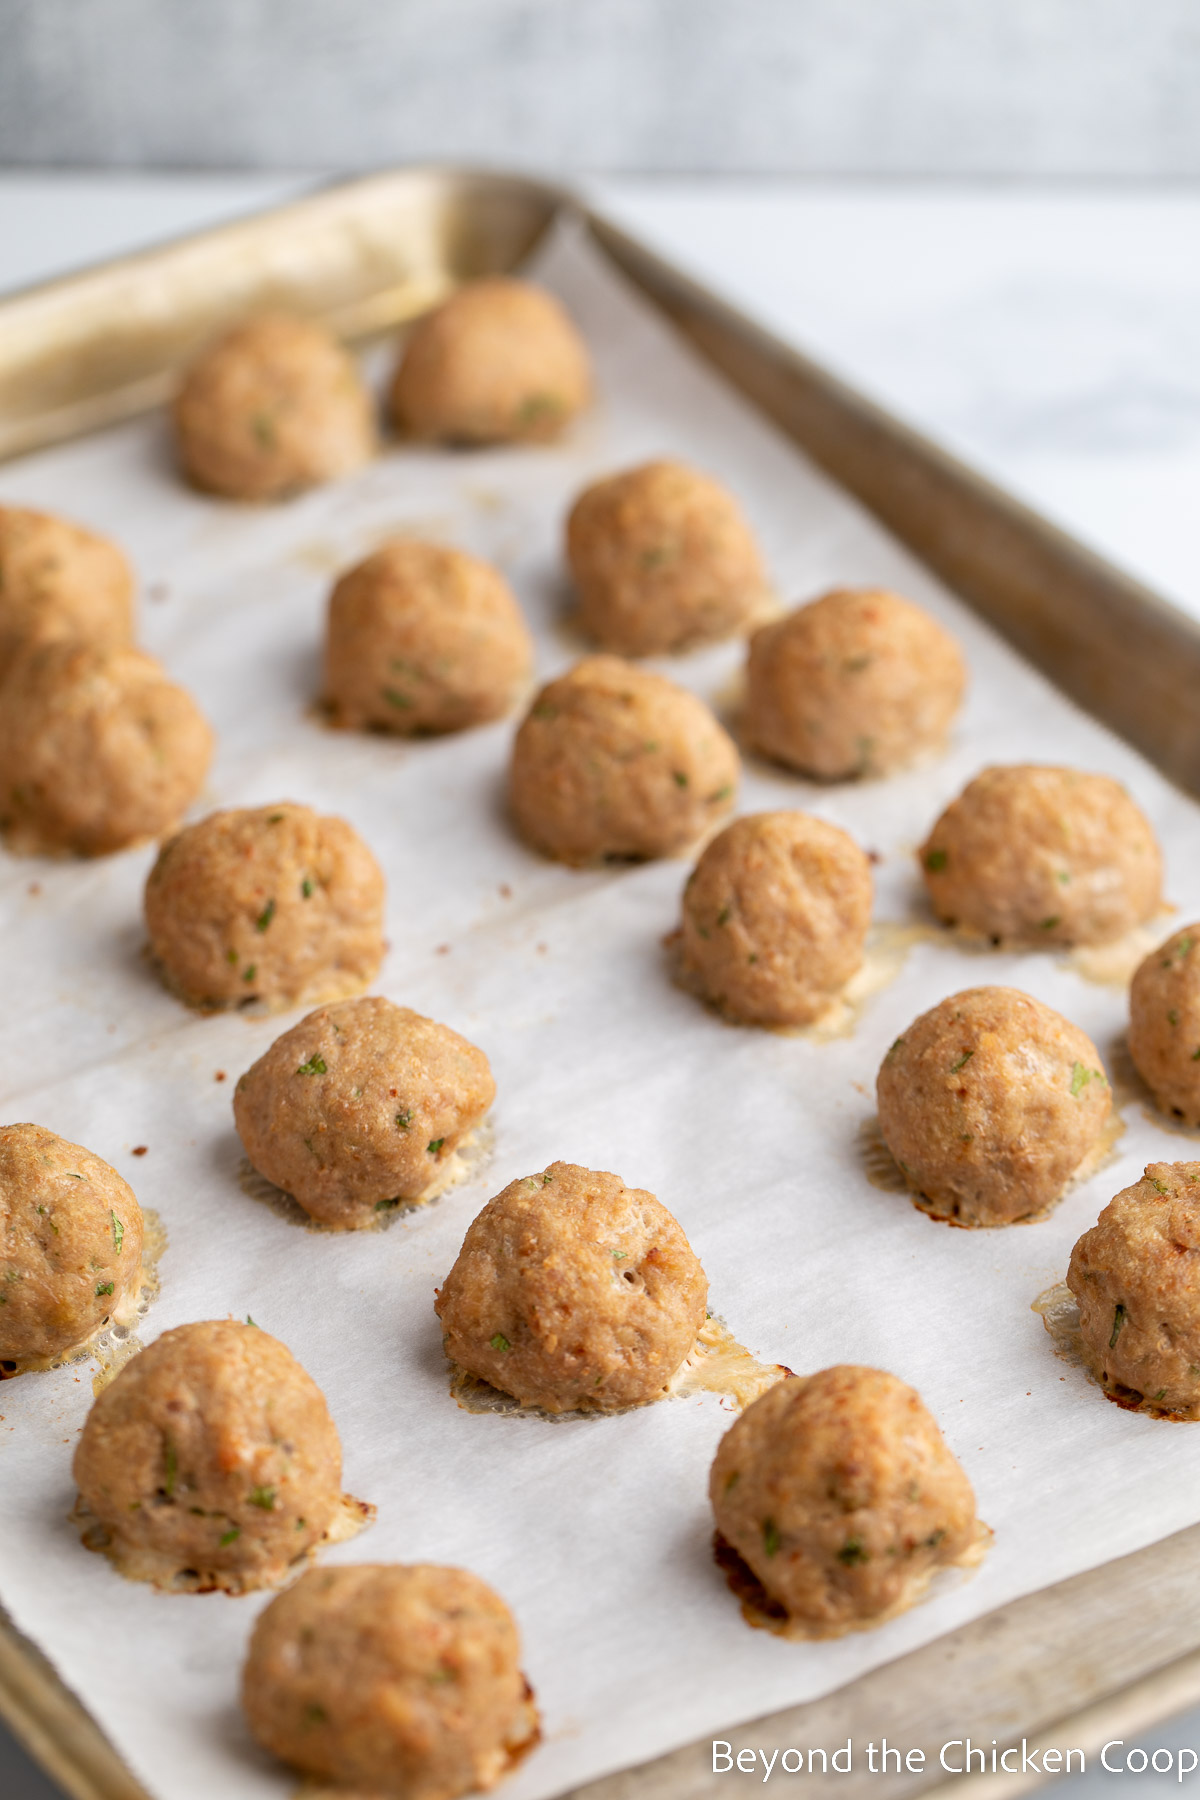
{"x": 1036, "y": 855}
{"x": 1164, "y": 1024}
{"x": 662, "y": 559}
{"x": 211, "y": 1459}
{"x": 70, "y": 1250}
{"x": 859, "y": 682}
{"x": 839, "y": 1495}
{"x": 573, "y": 1291}
{"x": 59, "y": 581}
{"x": 612, "y": 761}
{"x": 98, "y": 750}
{"x": 1136, "y": 1278}
{"x": 276, "y": 904}
{"x": 422, "y": 639}
{"x": 775, "y": 915}
{"x": 498, "y": 361}
{"x": 360, "y": 1105}
{"x": 391, "y": 1680}
{"x": 274, "y": 406}
{"x": 990, "y": 1102}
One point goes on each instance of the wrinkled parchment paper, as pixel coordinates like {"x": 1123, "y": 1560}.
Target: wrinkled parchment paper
{"x": 596, "y": 1531}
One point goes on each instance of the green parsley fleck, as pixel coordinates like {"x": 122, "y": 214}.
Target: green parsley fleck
{"x": 936, "y": 860}
{"x": 231, "y": 1536}
{"x": 724, "y": 916}
{"x": 1080, "y": 1076}
{"x": 395, "y": 698}
{"x": 231, "y": 957}
{"x": 275, "y": 819}
{"x": 118, "y": 1231}
{"x": 314, "y": 1714}
{"x": 1160, "y": 1394}
{"x": 722, "y": 793}
{"x": 1160, "y": 1185}
{"x": 250, "y": 972}
{"x": 1172, "y": 1016}
{"x": 1050, "y": 923}
{"x": 1196, "y": 1055}
{"x": 385, "y": 1205}
{"x": 962, "y": 1062}
{"x": 404, "y": 1119}
{"x": 1063, "y": 877}
{"x": 771, "y": 1538}
{"x": 434, "y": 1145}
{"x": 544, "y": 711}
{"x": 314, "y": 1066}
{"x": 1118, "y": 1320}
{"x": 853, "y": 1551}
{"x": 307, "y": 888}
{"x": 263, "y": 1497}
{"x": 265, "y": 916}
{"x": 753, "y": 957}
{"x": 681, "y": 779}
{"x": 104, "y": 1287}
{"x": 500, "y": 1342}
{"x": 732, "y": 1480}
{"x": 263, "y": 427}
{"x": 251, "y": 1321}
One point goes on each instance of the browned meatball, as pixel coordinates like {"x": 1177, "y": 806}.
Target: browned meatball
{"x": 210, "y": 1458}
{"x": 391, "y": 1680}
{"x": 274, "y": 406}
{"x": 1042, "y": 856}
{"x": 277, "y": 904}
{"x": 573, "y": 1291}
{"x": 360, "y": 1105}
{"x": 839, "y": 1494}
{"x": 1164, "y": 1023}
{"x": 990, "y": 1102}
{"x": 775, "y": 916}
{"x": 70, "y": 1247}
{"x": 58, "y": 581}
{"x": 1136, "y": 1278}
{"x": 662, "y": 559}
{"x": 424, "y": 639}
{"x": 859, "y": 682}
{"x": 498, "y": 361}
{"x": 611, "y": 761}
{"x": 98, "y": 750}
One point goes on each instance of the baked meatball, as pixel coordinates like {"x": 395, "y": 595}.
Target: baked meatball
{"x": 423, "y": 639}
{"x": 859, "y": 682}
{"x": 274, "y": 406}
{"x": 360, "y": 1105}
{"x": 573, "y": 1291}
{"x": 990, "y": 1102}
{"x": 277, "y": 904}
{"x": 59, "y": 581}
{"x": 391, "y": 1680}
{"x": 98, "y": 750}
{"x": 775, "y": 916}
{"x": 498, "y": 362}
{"x": 662, "y": 558}
{"x": 612, "y": 761}
{"x": 1035, "y": 855}
{"x": 839, "y": 1495}
{"x": 211, "y": 1459}
{"x": 1164, "y": 1024}
{"x": 1136, "y": 1278}
{"x": 70, "y": 1251}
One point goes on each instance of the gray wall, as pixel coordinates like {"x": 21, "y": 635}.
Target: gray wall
{"x": 1006, "y": 87}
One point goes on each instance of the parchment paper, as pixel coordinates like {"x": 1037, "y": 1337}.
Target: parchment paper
{"x": 596, "y": 1532}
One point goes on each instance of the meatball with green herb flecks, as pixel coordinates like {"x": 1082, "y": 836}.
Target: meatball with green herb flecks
{"x": 70, "y": 1248}
{"x": 211, "y": 1461}
{"x": 58, "y": 581}
{"x": 1164, "y": 1024}
{"x": 990, "y": 1102}
{"x": 424, "y": 639}
{"x": 274, "y": 904}
{"x": 837, "y": 1500}
{"x": 573, "y": 1292}
{"x": 612, "y": 762}
{"x": 775, "y": 916}
{"x": 359, "y": 1106}
{"x": 1043, "y": 856}
{"x": 391, "y": 1680}
{"x": 276, "y": 405}
{"x": 1136, "y": 1279}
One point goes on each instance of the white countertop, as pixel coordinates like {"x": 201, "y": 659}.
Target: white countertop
{"x": 1049, "y": 335}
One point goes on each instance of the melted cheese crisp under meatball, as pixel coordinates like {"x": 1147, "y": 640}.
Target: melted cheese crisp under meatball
{"x": 662, "y": 559}
{"x": 360, "y": 1105}
{"x": 424, "y": 639}
{"x": 1136, "y": 1278}
{"x": 1043, "y": 856}
{"x": 775, "y": 916}
{"x": 1164, "y": 1024}
{"x": 274, "y": 904}
{"x": 859, "y": 682}
{"x": 572, "y": 1291}
{"x": 70, "y": 1248}
{"x": 839, "y": 1495}
{"x": 613, "y": 761}
{"x": 211, "y": 1461}
{"x": 384, "y": 1679}
{"x": 98, "y": 750}
{"x": 499, "y": 361}
{"x": 59, "y": 581}
{"x": 990, "y": 1102}
{"x": 274, "y": 406}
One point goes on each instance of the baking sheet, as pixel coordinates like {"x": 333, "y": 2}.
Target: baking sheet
{"x": 596, "y": 1531}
